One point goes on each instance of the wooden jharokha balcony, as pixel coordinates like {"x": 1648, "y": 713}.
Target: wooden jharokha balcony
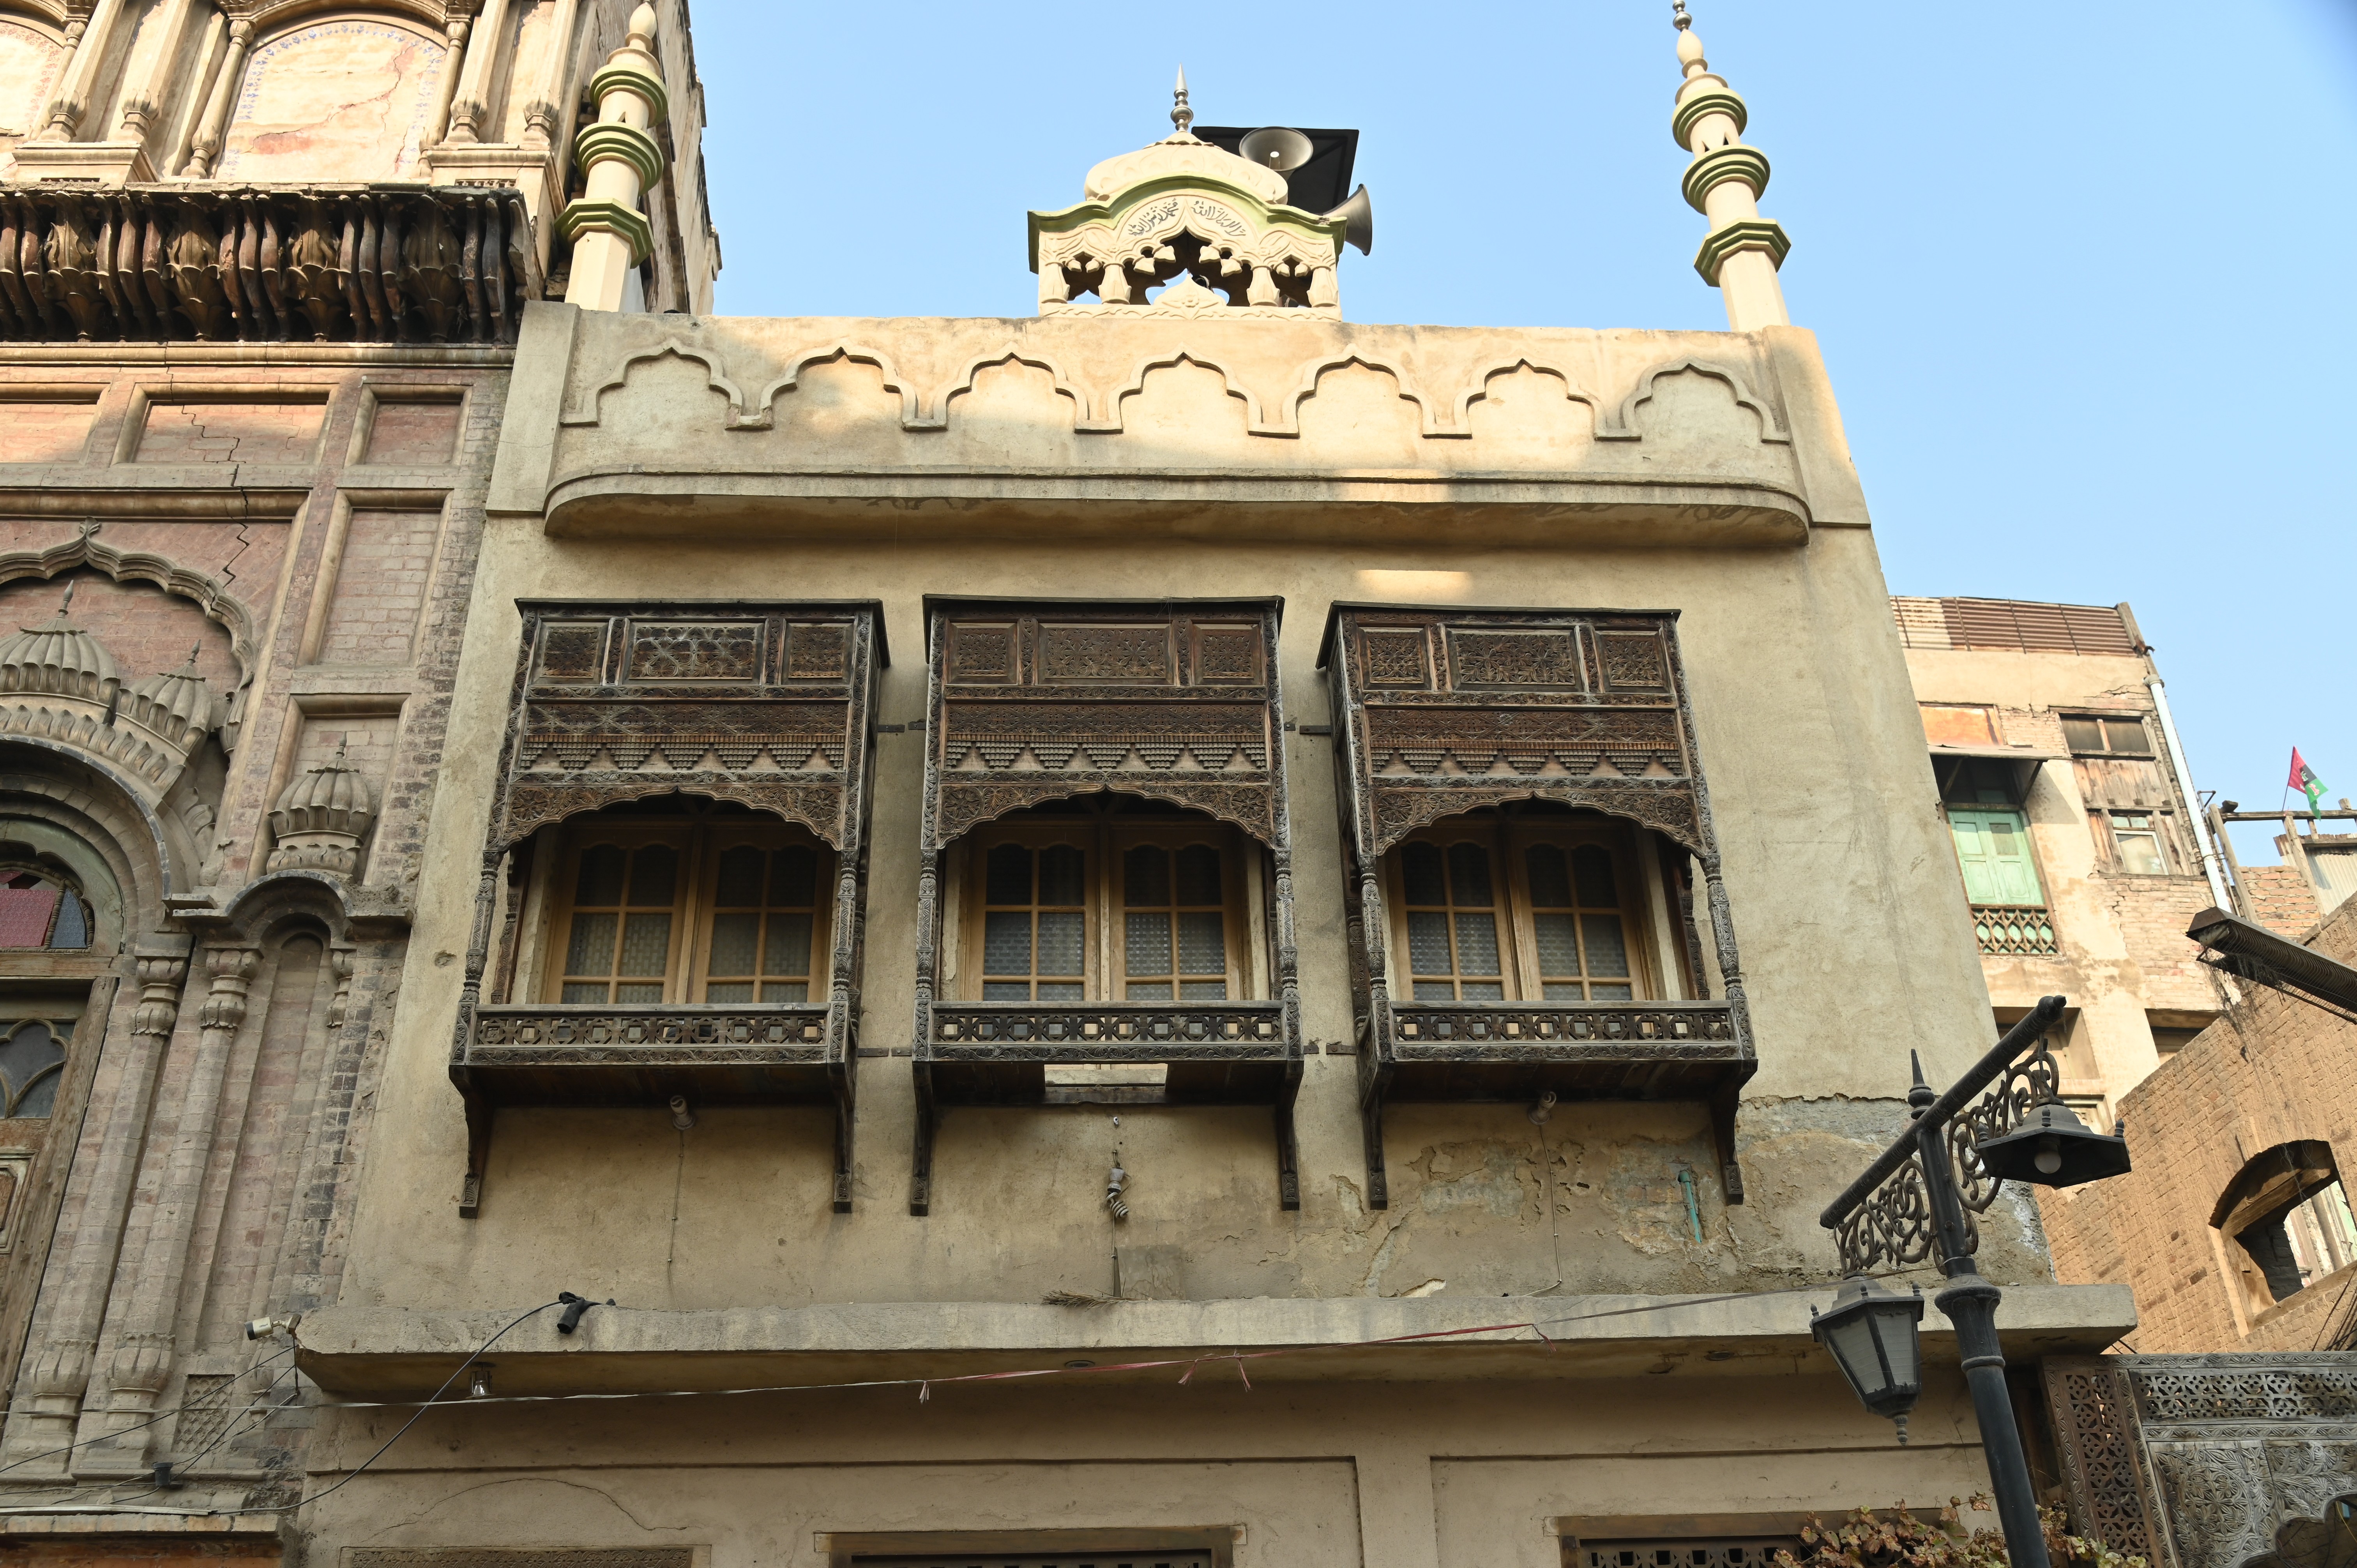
{"x": 220, "y": 262}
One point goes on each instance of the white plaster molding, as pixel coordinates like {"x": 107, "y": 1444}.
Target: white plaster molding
{"x": 1305, "y": 387}
{"x": 588, "y": 405}
{"x": 1107, "y": 421}
{"x": 1625, "y": 427}
{"x": 913, "y": 416}
{"x": 963, "y": 382}
{"x": 1479, "y": 392}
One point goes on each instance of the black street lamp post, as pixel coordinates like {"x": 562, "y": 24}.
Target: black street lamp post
{"x": 1917, "y": 1201}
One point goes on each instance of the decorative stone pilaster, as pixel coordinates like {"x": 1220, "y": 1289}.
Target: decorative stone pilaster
{"x": 205, "y": 150}
{"x": 620, "y": 161}
{"x": 1740, "y": 255}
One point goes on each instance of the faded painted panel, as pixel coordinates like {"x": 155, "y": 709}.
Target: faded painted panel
{"x": 342, "y": 100}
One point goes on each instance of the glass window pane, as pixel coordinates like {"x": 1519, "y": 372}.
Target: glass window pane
{"x": 1607, "y": 945}
{"x": 1062, "y": 869}
{"x": 2083, "y": 735}
{"x": 1202, "y": 944}
{"x": 1591, "y": 875}
{"x": 1060, "y": 990}
{"x": 591, "y": 951}
{"x": 601, "y": 875}
{"x": 785, "y": 990}
{"x": 1427, "y": 943}
{"x": 1007, "y": 879}
{"x": 1203, "y": 989}
{"x": 1477, "y": 944}
{"x": 1565, "y": 990}
{"x": 646, "y": 944}
{"x": 1199, "y": 875}
{"x": 1420, "y": 874}
{"x": 1550, "y": 879}
{"x": 1146, "y": 877}
{"x": 1558, "y": 938}
{"x": 1468, "y": 874}
{"x": 730, "y": 991}
{"x": 1484, "y": 990}
{"x": 579, "y": 990}
{"x": 1436, "y": 991}
{"x": 27, "y": 905}
{"x": 1149, "y": 991}
{"x": 72, "y": 929}
{"x": 637, "y": 993}
{"x": 1006, "y": 991}
{"x": 1007, "y": 944}
{"x": 789, "y": 945}
{"x": 740, "y": 879}
{"x": 654, "y": 873}
{"x": 31, "y": 1051}
{"x": 2140, "y": 854}
{"x": 1061, "y": 942}
{"x": 794, "y": 879}
{"x": 735, "y": 939}
{"x": 42, "y": 1098}
{"x": 1145, "y": 943}
{"x": 2127, "y": 738}
{"x": 1609, "y": 994}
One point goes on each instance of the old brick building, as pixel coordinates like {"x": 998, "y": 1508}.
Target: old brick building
{"x": 261, "y": 265}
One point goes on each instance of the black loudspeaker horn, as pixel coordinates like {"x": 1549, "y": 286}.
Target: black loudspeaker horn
{"x": 1275, "y": 147}
{"x": 1357, "y": 216}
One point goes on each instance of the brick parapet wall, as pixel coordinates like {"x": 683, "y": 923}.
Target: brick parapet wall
{"x": 2272, "y": 1070}
{"x": 2280, "y": 899}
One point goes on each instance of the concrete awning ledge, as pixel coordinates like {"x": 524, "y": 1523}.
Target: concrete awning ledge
{"x": 390, "y": 1352}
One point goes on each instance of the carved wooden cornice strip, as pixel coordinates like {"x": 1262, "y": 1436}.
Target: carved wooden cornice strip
{"x": 259, "y": 263}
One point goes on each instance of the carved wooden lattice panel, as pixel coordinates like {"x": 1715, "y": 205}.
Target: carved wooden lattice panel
{"x": 763, "y": 705}
{"x": 1453, "y": 711}
{"x": 1176, "y": 705}
{"x": 2103, "y": 1464}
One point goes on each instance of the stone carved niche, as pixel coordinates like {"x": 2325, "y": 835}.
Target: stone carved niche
{"x": 1208, "y": 229}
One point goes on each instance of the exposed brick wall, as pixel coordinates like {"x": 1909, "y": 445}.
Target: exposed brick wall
{"x": 2152, "y": 913}
{"x": 44, "y": 432}
{"x": 379, "y": 587}
{"x": 413, "y": 432}
{"x": 2280, "y": 898}
{"x": 2272, "y": 1070}
{"x": 142, "y": 628}
{"x": 259, "y": 432}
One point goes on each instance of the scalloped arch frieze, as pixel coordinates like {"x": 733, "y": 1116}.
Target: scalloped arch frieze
{"x": 210, "y": 593}
{"x": 924, "y": 384}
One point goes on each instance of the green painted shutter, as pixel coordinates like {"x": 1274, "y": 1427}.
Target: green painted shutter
{"x": 1993, "y": 848}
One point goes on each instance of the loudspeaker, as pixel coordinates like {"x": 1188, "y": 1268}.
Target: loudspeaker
{"x": 1357, "y": 216}
{"x": 1275, "y": 147}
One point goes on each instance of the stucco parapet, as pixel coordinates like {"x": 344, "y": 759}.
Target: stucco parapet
{"x": 1245, "y": 411}
{"x": 365, "y": 1351}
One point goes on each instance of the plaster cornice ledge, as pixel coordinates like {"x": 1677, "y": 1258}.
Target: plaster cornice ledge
{"x": 367, "y": 1352}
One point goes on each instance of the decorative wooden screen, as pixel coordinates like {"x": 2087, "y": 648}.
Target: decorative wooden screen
{"x": 1444, "y": 711}
{"x": 1172, "y": 701}
{"x": 769, "y": 705}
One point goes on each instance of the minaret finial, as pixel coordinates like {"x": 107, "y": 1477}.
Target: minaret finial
{"x": 1181, "y": 115}
{"x": 64, "y": 606}
{"x": 1743, "y": 250}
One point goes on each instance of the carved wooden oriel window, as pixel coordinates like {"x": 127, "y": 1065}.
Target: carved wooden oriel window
{"x": 1528, "y": 833}
{"x": 729, "y": 909}
{"x": 673, "y": 884}
{"x": 1105, "y": 888}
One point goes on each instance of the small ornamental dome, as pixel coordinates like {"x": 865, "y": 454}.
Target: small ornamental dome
{"x": 59, "y": 657}
{"x": 321, "y": 818}
{"x": 177, "y": 704}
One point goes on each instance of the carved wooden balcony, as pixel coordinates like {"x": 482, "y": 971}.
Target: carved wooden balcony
{"x": 1173, "y": 701}
{"x": 1446, "y": 711}
{"x": 382, "y": 264}
{"x": 763, "y": 706}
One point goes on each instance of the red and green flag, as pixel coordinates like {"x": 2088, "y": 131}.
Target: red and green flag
{"x": 2304, "y": 779}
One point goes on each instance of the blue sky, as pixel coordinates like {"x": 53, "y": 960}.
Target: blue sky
{"x": 2086, "y": 276}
